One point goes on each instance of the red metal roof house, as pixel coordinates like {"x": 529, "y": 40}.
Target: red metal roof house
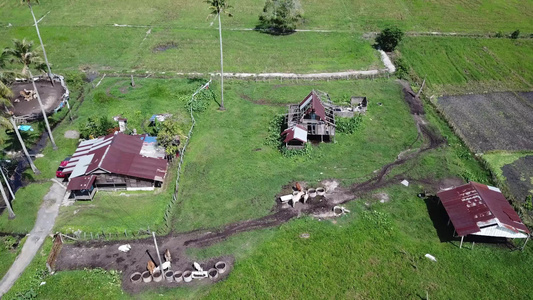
{"x": 114, "y": 161}
{"x": 478, "y": 209}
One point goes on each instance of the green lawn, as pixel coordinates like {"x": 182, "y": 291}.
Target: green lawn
{"x": 240, "y": 176}
{"x": 27, "y": 203}
{"x": 359, "y": 15}
{"x": 460, "y": 65}
{"x": 9, "y": 253}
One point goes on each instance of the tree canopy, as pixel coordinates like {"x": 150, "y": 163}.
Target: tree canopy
{"x": 389, "y": 38}
{"x": 281, "y": 16}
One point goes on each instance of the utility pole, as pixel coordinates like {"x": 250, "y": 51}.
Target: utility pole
{"x": 7, "y": 183}
{"x": 158, "y": 255}
{"x": 9, "y": 208}
{"x": 43, "y": 111}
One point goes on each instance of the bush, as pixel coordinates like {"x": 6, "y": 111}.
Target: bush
{"x": 499, "y": 34}
{"x": 402, "y": 69}
{"x": 101, "y": 97}
{"x": 515, "y": 34}
{"x": 529, "y": 202}
{"x": 281, "y": 16}
{"x": 348, "y": 125}
{"x": 389, "y": 38}
{"x": 94, "y": 127}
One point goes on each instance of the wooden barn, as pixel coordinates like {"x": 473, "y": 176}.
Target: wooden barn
{"x": 315, "y": 116}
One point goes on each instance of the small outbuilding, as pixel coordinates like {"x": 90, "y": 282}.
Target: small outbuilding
{"x": 478, "y": 209}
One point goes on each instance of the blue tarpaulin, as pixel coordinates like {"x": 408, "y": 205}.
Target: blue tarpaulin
{"x": 25, "y": 128}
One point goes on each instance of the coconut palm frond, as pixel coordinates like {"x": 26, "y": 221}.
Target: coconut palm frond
{"x": 219, "y": 6}
{"x": 23, "y": 53}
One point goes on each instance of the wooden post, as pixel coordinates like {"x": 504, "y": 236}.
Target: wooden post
{"x": 527, "y": 239}
{"x": 473, "y": 243}
{"x": 7, "y": 183}
{"x": 461, "y": 246}
{"x": 132, "y": 82}
{"x": 158, "y": 255}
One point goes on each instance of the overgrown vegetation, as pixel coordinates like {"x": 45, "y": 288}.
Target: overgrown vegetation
{"x": 169, "y": 136}
{"x": 96, "y": 127}
{"x": 348, "y": 125}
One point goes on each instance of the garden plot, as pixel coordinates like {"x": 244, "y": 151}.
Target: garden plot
{"x": 519, "y": 177}
{"x": 496, "y": 121}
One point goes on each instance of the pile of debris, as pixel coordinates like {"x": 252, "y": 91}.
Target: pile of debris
{"x": 28, "y": 95}
{"x": 303, "y": 195}
{"x": 156, "y": 274}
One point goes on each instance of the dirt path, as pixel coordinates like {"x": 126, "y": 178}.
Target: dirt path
{"x": 43, "y": 225}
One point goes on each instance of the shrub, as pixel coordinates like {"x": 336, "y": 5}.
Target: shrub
{"x": 499, "y": 34}
{"x": 402, "y": 68}
{"x": 101, "y": 97}
{"x": 529, "y": 202}
{"x": 515, "y": 34}
{"x": 281, "y": 16}
{"x": 348, "y": 125}
{"x": 94, "y": 127}
{"x": 389, "y": 38}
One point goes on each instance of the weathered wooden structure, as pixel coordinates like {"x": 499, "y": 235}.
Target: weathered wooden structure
{"x": 314, "y": 116}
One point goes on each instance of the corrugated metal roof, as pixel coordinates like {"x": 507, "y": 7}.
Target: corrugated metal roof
{"x": 312, "y": 103}
{"x": 81, "y": 183}
{"x": 116, "y": 153}
{"x": 476, "y": 205}
{"x": 296, "y": 132}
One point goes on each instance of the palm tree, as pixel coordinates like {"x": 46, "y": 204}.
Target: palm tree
{"x": 23, "y": 53}
{"x": 5, "y": 94}
{"x": 40, "y": 39}
{"x": 217, "y": 7}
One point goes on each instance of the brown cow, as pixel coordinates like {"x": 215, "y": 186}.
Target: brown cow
{"x": 151, "y": 267}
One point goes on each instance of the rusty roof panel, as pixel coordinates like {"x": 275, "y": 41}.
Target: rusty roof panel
{"x": 473, "y": 205}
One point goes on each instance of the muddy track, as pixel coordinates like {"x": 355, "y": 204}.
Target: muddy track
{"x": 105, "y": 254}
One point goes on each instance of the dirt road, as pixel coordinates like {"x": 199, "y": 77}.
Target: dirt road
{"x": 45, "y": 221}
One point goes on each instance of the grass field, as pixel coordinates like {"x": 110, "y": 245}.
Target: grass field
{"x": 9, "y": 253}
{"x": 197, "y": 50}
{"x": 228, "y": 149}
{"x": 461, "y": 65}
{"x": 359, "y": 15}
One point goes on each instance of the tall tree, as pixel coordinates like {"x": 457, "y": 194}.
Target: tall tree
{"x": 39, "y": 35}
{"x": 23, "y": 53}
{"x": 217, "y": 7}
{"x": 7, "y": 121}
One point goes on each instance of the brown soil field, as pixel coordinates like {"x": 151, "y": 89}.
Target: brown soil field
{"x": 495, "y": 121}
{"x": 519, "y": 177}
{"x": 50, "y": 97}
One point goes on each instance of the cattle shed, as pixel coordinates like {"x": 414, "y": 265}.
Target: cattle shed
{"x": 482, "y": 210}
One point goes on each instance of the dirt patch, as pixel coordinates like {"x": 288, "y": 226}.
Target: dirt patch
{"x": 381, "y": 197}
{"x": 414, "y": 102}
{"x": 519, "y": 177}
{"x": 261, "y": 101}
{"x": 72, "y": 134}
{"x": 50, "y": 97}
{"x": 496, "y": 121}
{"x": 164, "y": 47}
